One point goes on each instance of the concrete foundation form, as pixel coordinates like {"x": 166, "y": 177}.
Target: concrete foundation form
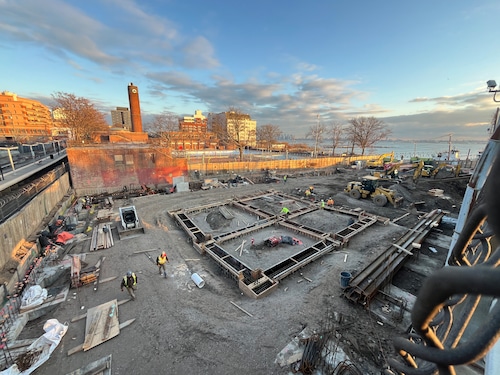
{"x": 254, "y": 243}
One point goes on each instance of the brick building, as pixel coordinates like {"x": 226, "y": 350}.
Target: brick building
{"x": 193, "y": 124}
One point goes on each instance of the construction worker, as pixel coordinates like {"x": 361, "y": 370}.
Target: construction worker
{"x": 284, "y": 179}
{"x": 307, "y": 193}
{"x": 330, "y": 202}
{"x": 160, "y": 262}
{"x": 285, "y": 211}
{"x": 322, "y": 204}
{"x": 130, "y": 282}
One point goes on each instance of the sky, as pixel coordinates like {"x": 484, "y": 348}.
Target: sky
{"x": 420, "y": 67}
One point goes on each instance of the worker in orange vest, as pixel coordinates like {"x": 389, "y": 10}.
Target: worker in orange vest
{"x": 160, "y": 262}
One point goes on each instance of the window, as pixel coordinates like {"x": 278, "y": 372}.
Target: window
{"x": 129, "y": 159}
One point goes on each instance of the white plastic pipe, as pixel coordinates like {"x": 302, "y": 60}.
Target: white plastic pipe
{"x": 200, "y": 283}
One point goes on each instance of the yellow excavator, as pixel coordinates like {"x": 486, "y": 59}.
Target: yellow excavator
{"x": 446, "y": 170}
{"x": 417, "y": 173}
{"x": 391, "y": 171}
{"x": 380, "y": 161}
{"x": 368, "y": 188}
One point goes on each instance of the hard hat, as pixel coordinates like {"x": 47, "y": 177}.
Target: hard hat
{"x": 163, "y": 253}
{"x": 129, "y": 273}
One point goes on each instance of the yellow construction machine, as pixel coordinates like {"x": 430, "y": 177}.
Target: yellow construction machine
{"x": 380, "y": 160}
{"x": 391, "y": 171}
{"x": 368, "y": 187}
{"x": 444, "y": 170}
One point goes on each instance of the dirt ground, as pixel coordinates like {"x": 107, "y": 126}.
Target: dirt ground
{"x": 182, "y": 329}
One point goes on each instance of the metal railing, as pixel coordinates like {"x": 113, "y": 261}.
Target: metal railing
{"x": 14, "y": 201}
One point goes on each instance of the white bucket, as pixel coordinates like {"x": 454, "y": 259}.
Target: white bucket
{"x": 198, "y": 280}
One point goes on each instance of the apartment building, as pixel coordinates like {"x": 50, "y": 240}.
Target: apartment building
{"x": 240, "y": 127}
{"x": 193, "y": 124}
{"x": 23, "y": 120}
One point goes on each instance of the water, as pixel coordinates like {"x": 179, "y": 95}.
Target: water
{"x": 402, "y": 149}
{"x": 408, "y": 149}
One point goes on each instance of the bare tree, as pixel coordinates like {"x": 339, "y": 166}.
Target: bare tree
{"x": 163, "y": 126}
{"x": 366, "y": 131}
{"x": 233, "y": 128}
{"x": 268, "y": 134}
{"x": 336, "y": 131}
{"x": 316, "y": 132}
{"x": 80, "y": 116}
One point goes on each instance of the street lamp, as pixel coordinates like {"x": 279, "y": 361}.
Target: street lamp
{"x": 492, "y": 84}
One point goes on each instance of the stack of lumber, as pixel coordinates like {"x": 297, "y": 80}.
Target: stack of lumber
{"x": 88, "y": 278}
{"x": 102, "y": 238}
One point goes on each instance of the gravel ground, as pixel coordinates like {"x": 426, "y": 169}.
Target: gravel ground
{"x": 182, "y": 329}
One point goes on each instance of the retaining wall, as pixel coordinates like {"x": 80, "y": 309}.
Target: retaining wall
{"x": 23, "y": 226}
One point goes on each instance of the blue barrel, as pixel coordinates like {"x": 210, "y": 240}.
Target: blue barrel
{"x": 345, "y": 278}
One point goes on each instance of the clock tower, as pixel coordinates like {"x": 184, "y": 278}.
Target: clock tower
{"x": 135, "y": 108}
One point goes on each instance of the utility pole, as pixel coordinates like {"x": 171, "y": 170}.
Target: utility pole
{"x": 449, "y": 147}
{"x": 316, "y": 138}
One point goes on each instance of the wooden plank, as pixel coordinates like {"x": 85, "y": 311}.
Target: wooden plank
{"x": 399, "y": 218}
{"x": 94, "y": 335}
{"x": 91, "y": 327}
{"x": 242, "y": 309}
{"x": 108, "y": 279}
{"x": 145, "y": 251}
{"x": 79, "y": 348}
{"x": 83, "y": 316}
{"x": 402, "y": 249}
{"x": 100, "y": 367}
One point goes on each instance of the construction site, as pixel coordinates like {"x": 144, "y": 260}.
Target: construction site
{"x": 265, "y": 276}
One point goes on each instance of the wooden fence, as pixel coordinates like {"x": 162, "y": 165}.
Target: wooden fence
{"x": 214, "y": 167}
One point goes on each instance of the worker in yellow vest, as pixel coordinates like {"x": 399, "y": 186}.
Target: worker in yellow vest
{"x": 130, "y": 282}
{"x": 160, "y": 262}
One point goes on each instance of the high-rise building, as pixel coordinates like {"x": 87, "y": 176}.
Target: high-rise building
{"x": 22, "y": 119}
{"x": 120, "y": 118}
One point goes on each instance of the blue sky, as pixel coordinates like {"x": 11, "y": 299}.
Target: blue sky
{"x": 420, "y": 66}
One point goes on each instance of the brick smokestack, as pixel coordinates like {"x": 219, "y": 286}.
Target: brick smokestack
{"x": 135, "y": 108}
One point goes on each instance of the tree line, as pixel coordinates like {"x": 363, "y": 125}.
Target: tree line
{"x": 83, "y": 120}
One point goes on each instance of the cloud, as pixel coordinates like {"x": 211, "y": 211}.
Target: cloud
{"x": 199, "y": 53}
{"x": 473, "y": 98}
{"x": 463, "y": 124}
{"x": 130, "y": 36}
{"x": 306, "y": 67}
